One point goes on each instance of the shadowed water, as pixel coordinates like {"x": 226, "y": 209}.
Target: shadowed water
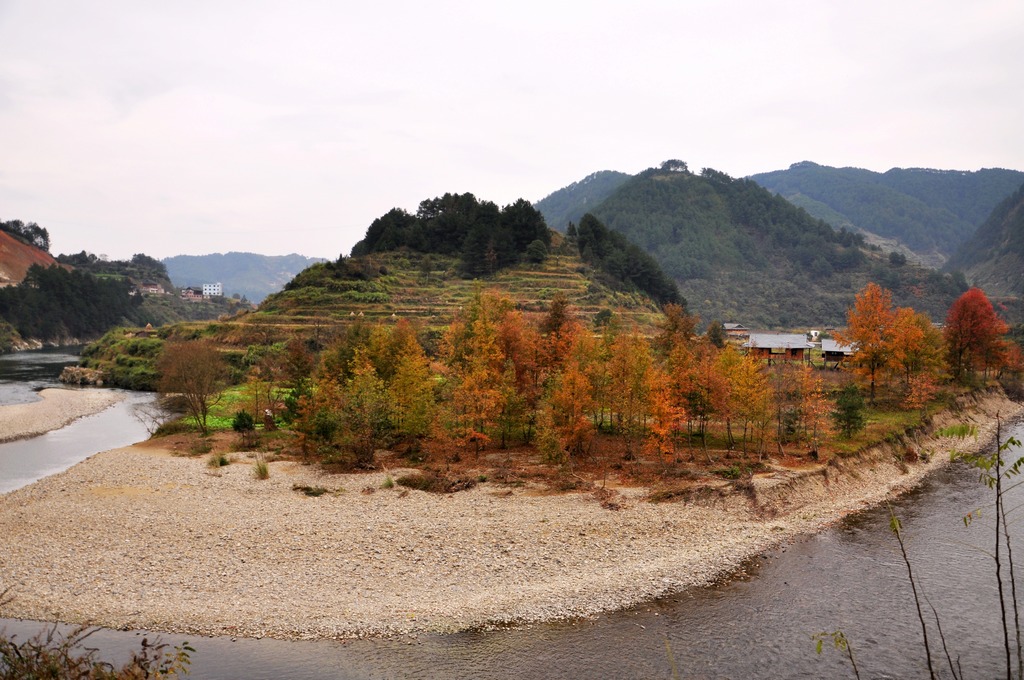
{"x": 23, "y": 374}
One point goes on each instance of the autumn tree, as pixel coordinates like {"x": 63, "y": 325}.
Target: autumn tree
{"x": 973, "y": 334}
{"x": 815, "y": 407}
{"x": 869, "y": 328}
{"x": 570, "y": 405}
{"x": 750, "y": 397}
{"x": 631, "y": 371}
{"x": 677, "y": 328}
{"x": 708, "y": 390}
{"x": 476, "y": 370}
{"x": 666, "y": 414}
{"x": 916, "y": 346}
{"x": 366, "y": 416}
{"x": 196, "y": 371}
{"x": 411, "y": 395}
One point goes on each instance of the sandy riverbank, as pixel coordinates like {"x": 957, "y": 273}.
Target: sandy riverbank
{"x": 139, "y": 538}
{"x": 56, "y": 408}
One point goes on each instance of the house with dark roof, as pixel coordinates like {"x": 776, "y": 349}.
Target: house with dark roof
{"x": 192, "y": 294}
{"x": 736, "y": 330}
{"x": 778, "y": 346}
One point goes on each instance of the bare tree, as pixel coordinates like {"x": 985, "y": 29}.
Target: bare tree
{"x": 196, "y": 371}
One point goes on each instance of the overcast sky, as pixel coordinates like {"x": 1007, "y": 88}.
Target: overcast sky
{"x": 193, "y": 127}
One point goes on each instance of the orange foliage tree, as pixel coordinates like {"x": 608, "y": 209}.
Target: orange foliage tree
{"x": 916, "y": 347}
{"x": 869, "y": 327}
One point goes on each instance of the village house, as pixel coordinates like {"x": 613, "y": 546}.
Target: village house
{"x": 192, "y": 294}
{"x": 213, "y": 290}
{"x": 834, "y": 353}
{"x": 736, "y": 330}
{"x": 778, "y": 346}
{"x": 152, "y": 287}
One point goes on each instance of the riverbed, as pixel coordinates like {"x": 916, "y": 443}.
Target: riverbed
{"x": 755, "y": 623}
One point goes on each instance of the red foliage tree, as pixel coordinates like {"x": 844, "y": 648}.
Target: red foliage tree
{"x": 973, "y": 334}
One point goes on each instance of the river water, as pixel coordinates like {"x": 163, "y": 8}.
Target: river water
{"x": 757, "y": 624}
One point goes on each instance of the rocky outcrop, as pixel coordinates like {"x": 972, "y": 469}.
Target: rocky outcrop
{"x": 76, "y": 375}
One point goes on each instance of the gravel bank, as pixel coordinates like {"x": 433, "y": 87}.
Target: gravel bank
{"x": 57, "y": 408}
{"x": 166, "y": 543}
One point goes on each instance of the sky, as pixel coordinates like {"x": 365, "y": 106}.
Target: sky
{"x": 204, "y": 126}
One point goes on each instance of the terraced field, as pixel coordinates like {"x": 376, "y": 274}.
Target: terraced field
{"x": 428, "y": 289}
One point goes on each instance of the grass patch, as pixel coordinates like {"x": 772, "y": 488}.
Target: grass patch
{"x": 731, "y": 472}
{"x": 260, "y": 468}
{"x": 201, "y": 446}
{"x": 312, "y": 491}
{"x": 176, "y": 426}
{"x": 217, "y": 460}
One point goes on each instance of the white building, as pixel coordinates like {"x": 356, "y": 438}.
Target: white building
{"x": 212, "y": 290}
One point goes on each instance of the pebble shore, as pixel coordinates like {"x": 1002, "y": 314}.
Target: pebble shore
{"x": 138, "y": 538}
{"x": 55, "y": 409}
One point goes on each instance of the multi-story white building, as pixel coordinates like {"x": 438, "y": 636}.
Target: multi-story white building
{"x": 212, "y": 290}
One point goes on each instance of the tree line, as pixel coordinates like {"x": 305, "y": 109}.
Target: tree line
{"x": 502, "y": 378}
{"x": 487, "y": 238}
{"x": 55, "y": 304}
{"x": 27, "y": 232}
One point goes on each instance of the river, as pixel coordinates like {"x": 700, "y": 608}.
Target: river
{"x": 757, "y": 624}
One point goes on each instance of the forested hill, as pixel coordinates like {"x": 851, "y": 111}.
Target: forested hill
{"x": 487, "y": 240}
{"x": 247, "y": 274}
{"x": 140, "y": 269}
{"x": 571, "y": 203}
{"x": 993, "y": 258}
{"x": 742, "y": 254}
{"x": 929, "y": 212}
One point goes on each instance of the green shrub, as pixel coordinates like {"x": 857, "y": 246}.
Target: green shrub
{"x": 51, "y": 654}
{"x": 243, "y": 422}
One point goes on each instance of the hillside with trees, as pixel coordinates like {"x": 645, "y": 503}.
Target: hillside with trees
{"x": 17, "y": 256}
{"x": 57, "y": 305}
{"x": 248, "y": 275}
{"x": 138, "y": 270}
{"x": 28, "y": 233}
{"x": 993, "y": 258}
{"x": 925, "y": 213}
{"x": 569, "y": 204}
{"x": 743, "y": 254}
{"x": 483, "y": 236}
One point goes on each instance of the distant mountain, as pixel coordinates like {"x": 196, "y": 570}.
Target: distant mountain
{"x": 742, "y": 254}
{"x": 571, "y": 203}
{"x": 247, "y": 274}
{"x": 993, "y": 258}
{"x": 925, "y": 213}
